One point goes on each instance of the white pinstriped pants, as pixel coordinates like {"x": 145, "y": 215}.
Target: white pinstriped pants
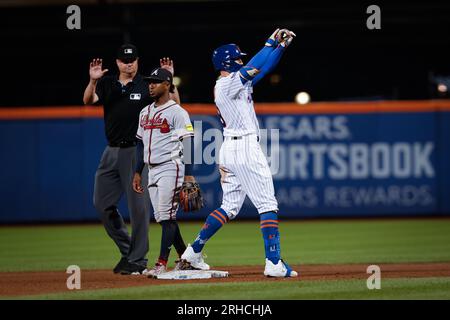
{"x": 244, "y": 171}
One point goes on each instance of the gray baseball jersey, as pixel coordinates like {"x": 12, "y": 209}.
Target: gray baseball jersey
{"x": 160, "y": 129}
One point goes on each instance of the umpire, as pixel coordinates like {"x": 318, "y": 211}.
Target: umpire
{"x": 123, "y": 96}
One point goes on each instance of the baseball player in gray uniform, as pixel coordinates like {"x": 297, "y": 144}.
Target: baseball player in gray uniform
{"x": 164, "y": 133}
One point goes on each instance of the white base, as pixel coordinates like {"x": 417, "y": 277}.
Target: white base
{"x": 192, "y": 274}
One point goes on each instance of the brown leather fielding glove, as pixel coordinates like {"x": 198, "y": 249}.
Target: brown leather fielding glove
{"x": 190, "y": 197}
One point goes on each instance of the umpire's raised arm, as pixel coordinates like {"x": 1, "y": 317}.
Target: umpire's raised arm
{"x": 167, "y": 63}
{"x": 95, "y": 73}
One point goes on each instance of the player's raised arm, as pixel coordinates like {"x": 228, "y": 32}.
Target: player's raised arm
{"x": 264, "y": 61}
{"x": 95, "y": 73}
{"x": 255, "y": 64}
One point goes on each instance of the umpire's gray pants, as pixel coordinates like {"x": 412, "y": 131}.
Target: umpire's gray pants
{"x": 113, "y": 178}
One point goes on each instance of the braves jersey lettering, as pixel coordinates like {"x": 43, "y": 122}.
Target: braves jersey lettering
{"x": 157, "y": 123}
{"x": 161, "y": 128}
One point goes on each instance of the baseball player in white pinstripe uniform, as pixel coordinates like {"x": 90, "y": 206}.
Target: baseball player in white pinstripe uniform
{"x": 243, "y": 166}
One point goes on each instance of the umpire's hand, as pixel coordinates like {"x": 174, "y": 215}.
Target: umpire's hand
{"x": 137, "y": 187}
{"x": 95, "y": 69}
{"x": 167, "y": 63}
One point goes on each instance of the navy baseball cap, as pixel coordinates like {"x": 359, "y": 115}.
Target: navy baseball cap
{"x": 159, "y": 75}
{"x": 127, "y": 53}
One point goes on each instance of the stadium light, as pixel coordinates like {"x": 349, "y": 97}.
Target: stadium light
{"x": 442, "y": 88}
{"x": 302, "y": 98}
{"x": 176, "y": 81}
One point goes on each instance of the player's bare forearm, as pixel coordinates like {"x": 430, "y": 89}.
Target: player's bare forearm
{"x": 189, "y": 179}
{"x": 90, "y": 97}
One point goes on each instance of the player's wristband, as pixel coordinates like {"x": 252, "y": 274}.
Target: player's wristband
{"x": 270, "y": 42}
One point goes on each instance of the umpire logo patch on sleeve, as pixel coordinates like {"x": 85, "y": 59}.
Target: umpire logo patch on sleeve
{"x": 135, "y": 96}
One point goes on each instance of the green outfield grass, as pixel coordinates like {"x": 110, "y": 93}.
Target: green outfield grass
{"x": 238, "y": 243}
{"x": 40, "y": 248}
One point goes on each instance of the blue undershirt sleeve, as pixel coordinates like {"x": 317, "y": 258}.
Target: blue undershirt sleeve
{"x": 270, "y": 64}
{"x": 251, "y": 69}
{"x": 139, "y": 156}
{"x": 260, "y": 58}
{"x": 261, "y": 64}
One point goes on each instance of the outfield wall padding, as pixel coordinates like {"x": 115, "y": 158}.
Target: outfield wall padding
{"x": 388, "y": 158}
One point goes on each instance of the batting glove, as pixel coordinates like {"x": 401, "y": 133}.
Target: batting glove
{"x": 286, "y": 38}
{"x": 272, "y": 41}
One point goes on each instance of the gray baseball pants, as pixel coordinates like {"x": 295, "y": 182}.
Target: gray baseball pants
{"x": 163, "y": 182}
{"x": 114, "y": 178}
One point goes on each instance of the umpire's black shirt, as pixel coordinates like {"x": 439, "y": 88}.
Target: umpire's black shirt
{"x": 122, "y": 105}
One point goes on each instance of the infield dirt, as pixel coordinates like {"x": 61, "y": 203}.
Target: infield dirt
{"x": 34, "y": 283}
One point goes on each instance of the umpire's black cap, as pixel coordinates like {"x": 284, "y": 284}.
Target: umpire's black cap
{"x": 127, "y": 53}
{"x": 160, "y": 75}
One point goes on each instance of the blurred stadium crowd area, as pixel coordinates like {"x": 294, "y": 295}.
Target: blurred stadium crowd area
{"x": 335, "y": 57}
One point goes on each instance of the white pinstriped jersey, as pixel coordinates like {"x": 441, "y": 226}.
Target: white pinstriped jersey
{"x": 235, "y": 104}
{"x": 243, "y": 166}
{"x": 160, "y": 129}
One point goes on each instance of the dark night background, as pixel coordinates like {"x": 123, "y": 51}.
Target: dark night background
{"x": 334, "y": 57}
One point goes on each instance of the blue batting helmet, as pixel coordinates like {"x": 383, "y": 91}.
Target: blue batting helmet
{"x": 224, "y": 57}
